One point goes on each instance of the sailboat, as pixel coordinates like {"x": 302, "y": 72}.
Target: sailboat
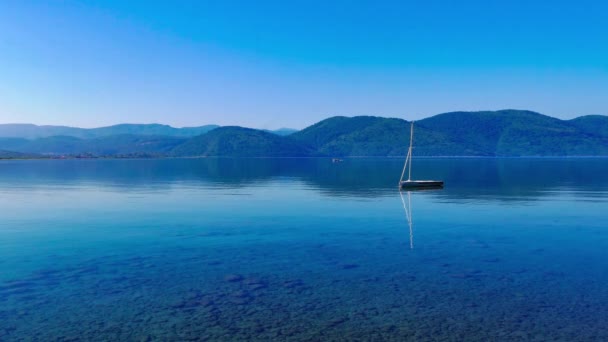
{"x": 409, "y": 183}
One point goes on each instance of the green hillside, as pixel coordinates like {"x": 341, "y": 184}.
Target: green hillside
{"x": 241, "y": 142}
{"x": 16, "y": 155}
{"x": 150, "y": 129}
{"x": 592, "y": 124}
{"x": 514, "y": 133}
{"x": 103, "y": 146}
{"x": 373, "y": 136}
{"x": 53, "y": 145}
{"x": 129, "y": 143}
{"x": 486, "y": 133}
{"x": 29, "y": 131}
{"x": 11, "y": 144}
{"x": 328, "y": 130}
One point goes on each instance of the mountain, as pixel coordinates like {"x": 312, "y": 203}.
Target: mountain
{"x": 151, "y": 129}
{"x": 133, "y": 144}
{"x": 371, "y": 136}
{"x": 59, "y": 144}
{"x": 514, "y": 133}
{"x": 233, "y": 141}
{"x": 592, "y": 124}
{"x": 12, "y": 143}
{"x": 29, "y": 131}
{"x": 282, "y": 131}
{"x": 485, "y": 133}
{"x": 103, "y": 146}
{"x": 16, "y": 155}
{"x": 488, "y": 133}
{"x": 362, "y": 135}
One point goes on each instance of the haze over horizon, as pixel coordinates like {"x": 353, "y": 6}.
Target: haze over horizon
{"x": 270, "y": 64}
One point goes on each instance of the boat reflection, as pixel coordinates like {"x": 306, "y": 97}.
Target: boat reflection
{"x": 408, "y": 214}
{"x": 407, "y": 207}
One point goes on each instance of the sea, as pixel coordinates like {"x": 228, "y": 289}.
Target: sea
{"x": 303, "y": 249}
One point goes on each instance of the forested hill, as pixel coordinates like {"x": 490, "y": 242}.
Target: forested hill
{"x": 491, "y": 133}
{"x": 241, "y": 142}
{"x": 29, "y": 131}
{"x": 487, "y": 133}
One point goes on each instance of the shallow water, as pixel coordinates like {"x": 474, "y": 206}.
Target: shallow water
{"x": 303, "y": 249}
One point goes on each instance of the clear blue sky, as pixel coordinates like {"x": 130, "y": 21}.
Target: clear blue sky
{"x": 271, "y": 64}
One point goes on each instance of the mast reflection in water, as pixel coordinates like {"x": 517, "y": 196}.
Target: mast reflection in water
{"x": 407, "y": 208}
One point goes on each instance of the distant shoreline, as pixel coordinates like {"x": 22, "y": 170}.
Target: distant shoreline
{"x": 317, "y": 157}
{"x": 503, "y": 133}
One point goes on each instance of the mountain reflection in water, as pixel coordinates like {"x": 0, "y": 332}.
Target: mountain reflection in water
{"x": 477, "y": 179}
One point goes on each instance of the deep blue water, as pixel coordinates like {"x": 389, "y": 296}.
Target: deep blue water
{"x": 303, "y": 249}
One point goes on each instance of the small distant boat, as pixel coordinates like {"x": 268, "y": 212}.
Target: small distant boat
{"x": 336, "y": 160}
{"x": 415, "y": 184}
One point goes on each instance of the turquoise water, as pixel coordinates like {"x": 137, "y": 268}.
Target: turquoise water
{"x": 303, "y": 249}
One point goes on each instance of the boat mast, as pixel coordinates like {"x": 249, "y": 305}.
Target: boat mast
{"x": 408, "y": 159}
{"x": 409, "y": 176}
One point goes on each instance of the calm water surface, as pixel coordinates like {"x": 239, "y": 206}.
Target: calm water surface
{"x": 303, "y": 249}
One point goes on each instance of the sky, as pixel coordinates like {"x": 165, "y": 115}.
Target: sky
{"x": 272, "y": 64}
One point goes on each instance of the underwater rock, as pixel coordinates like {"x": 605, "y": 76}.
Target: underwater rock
{"x": 491, "y": 260}
{"x": 46, "y": 273}
{"x": 16, "y": 291}
{"x": 349, "y": 266}
{"x": 180, "y": 304}
{"x": 292, "y": 283}
{"x": 460, "y": 275}
{"x": 478, "y": 243}
{"x": 255, "y": 287}
{"x": 336, "y": 321}
{"x": 233, "y": 278}
{"x": 193, "y": 294}
{"x": 240, "y": 294}
{"x": 240, "y": 300}
{"x": 252, "y": 281}
{"x": 206, "y": 303}
{"x": 146, "y": 338}
{"x": 85, "y": 270}
{"x": 17, "y": 284}
{"x": 192, "y": 303}
{"x": 553, "y": 274}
